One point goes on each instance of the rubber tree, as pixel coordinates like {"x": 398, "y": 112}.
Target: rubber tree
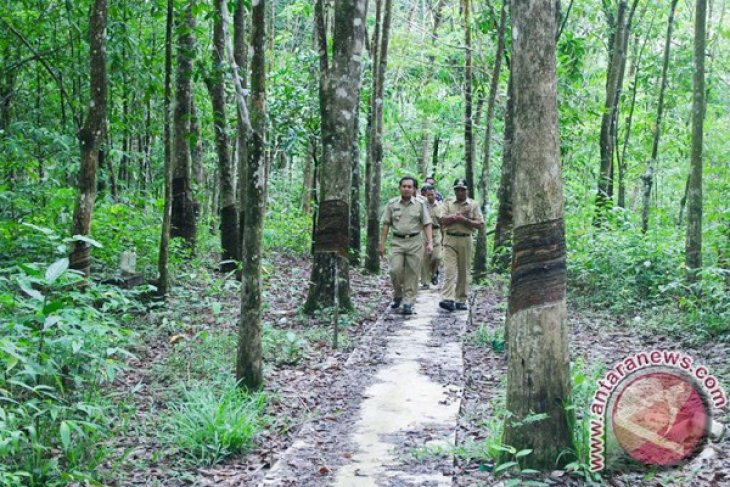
{"x": 693, "y": 248}
{"x": 538, "y": 377}
{"x": 163, "y": 282}
{"x": 468, "y": 116}
{"x": 648, "y": 176}
{"x": 617, "y": 56}
{"x": 216, "y": 87}
{"x": 90, "y": 137}
{"x": 503, "y": 226}
{"x": 183, "y": 203}
{"x": 240, "y": 56}
{"x": 249, "y": 361}
{"x": 381, "y": 38}
{"x": 480, "y": 258}
{"x": 339, "y": 105}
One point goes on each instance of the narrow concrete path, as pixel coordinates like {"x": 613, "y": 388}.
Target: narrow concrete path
{"x": 405, "y": 399}
{"x": 403, "y": 386}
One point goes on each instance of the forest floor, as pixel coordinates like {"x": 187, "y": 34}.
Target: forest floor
{"x": 315, "y": 394}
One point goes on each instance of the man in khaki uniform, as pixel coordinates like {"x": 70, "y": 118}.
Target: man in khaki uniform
{"x": 430, "y": 263}
{"x": 409, "y": 218}
{"x": 459, "y": 216}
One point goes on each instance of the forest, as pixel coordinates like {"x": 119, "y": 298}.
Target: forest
{"x": 191, "y": 204}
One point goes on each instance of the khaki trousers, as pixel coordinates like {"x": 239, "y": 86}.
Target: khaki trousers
{"x": 405, "y": 267}
{"x": 430, "y": 263}
{"x": 457, "y": 262}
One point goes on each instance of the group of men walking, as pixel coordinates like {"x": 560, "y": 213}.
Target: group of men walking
{"x": 425, "y": 231}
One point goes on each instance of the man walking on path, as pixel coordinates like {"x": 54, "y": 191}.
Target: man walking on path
{"x": 409, "y": 218}
{"x": 430, "y": 180}
{"x": 430, "y": 263}
{"x": 460, "y": 216}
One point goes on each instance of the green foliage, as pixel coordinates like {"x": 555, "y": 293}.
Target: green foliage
{"x": 211, "y": 423}
{"x": 130, "y": 225}
{"x": 486, "y": 337}
{"x": 617, "y": 268}
{"x": 287, "y": 228}
{"x": 117, "y": 227}
{"x": 283, "y": 347}
{"x": 58, "y": 343}
{"x": 584, "y": 380}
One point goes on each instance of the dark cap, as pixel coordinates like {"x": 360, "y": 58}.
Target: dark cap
{"x": 460, "y": 183}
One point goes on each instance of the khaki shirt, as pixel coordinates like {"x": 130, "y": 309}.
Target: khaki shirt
{"x": 406, "y": 218}
{"x": 469, "y": 208}
{"x": 436, "y": 212}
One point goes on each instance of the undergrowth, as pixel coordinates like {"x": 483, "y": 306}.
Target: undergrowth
{"x": 60, "y": 343}
{"x": 618, "y": 269}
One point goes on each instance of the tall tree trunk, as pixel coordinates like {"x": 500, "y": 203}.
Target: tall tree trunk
{"x": 634, "y": 74}
{"x": 626, "y": 30}
{"x": 249, "y": 363}
{"x": 90, "y": 136}
{"x": 683, "y": 202}
{"x": 240, "y": 55}
{"x": 331, "y": 240}
{"x": 425, "y": 150}
{"x": 196, "y": 149}
{"x": 437, "y": 17}
{"x": 355, "y": 244}
{"x": 183, "y": 203}
{"x": 538, "y": 377}
{"x": 126, "y": 138}
{"x": 480, "y": 259}
{"x": 308, "y": 178}
{"x": 468, "y": 120}
{"x": 604, "y": 197}
{"x": 163, "y": 283}
{"x": 649, "y": 174}
{"x": 435, "y": 154}
{"x": 147, "y": 153}
{"x": 503, "y": 227}
{"x": 216, "y": 88}
{"x": 380, "y": 63}
{"x": 109, "y": 168}
{"x": 693, "y": 249}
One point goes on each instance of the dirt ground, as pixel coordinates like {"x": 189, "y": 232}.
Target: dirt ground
{"x": 319, "y": 396}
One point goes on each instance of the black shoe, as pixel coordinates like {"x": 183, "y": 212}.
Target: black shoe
{"x": 396, "y": 303}
{"x": 424, "y": 286}
{"x": 447, "y": 304}
{"x": 407, "y": 309}
{"x": 435, "y": 279}
{"x": 460, "y": 307}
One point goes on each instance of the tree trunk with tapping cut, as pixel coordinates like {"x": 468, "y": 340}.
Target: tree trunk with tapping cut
{"x": 90, "y": 137}
{"x": 216, "y": 88}
{"x": 538, "y": 377}
{"x": 338, "y": 109}
{"x": 183, "y": 204}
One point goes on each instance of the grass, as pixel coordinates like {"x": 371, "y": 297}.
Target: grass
{"x": 483, "y": 336}
{"x": 211, "y": 423}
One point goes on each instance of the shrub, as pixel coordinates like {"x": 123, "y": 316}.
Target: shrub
{"x": 57, "y": 344}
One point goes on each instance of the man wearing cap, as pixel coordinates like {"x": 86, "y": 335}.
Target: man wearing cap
{"x": 430, "y": 263}
{"x": 409, "y": 218}
{"x": 459, "y": 217}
